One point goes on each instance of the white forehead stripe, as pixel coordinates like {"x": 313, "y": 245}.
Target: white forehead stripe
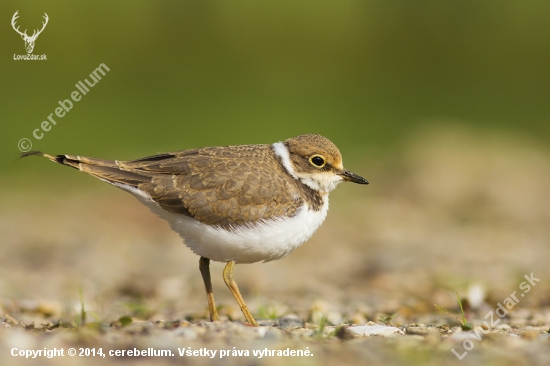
{"x": 282, "y": 151}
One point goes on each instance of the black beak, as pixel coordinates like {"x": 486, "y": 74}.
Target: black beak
{"x": 351, "y": 177}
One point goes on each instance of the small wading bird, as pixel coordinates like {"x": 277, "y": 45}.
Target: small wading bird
{"x": 232, "y": 204}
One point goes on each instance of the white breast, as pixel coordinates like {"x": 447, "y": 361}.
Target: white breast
{"x": 270, "y": 240}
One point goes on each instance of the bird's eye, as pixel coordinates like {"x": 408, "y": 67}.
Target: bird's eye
{"x": 318, "y": 161}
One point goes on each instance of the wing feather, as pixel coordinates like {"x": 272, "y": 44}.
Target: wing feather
{"x": 222, "y": 186}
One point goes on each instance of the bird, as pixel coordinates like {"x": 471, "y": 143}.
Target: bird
{"x": 232, "y": 204}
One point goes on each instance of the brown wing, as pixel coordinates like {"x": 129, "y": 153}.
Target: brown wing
{"x": 225, "y": 186}
{"x": 222, "y": 186}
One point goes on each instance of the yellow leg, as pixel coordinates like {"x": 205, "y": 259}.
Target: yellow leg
{"x": 204, "y": 266}
{"x": 230, "y": 282}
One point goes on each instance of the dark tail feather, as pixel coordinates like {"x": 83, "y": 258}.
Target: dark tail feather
{"x": 31, "y": 153}
{"x": 39, "y": 153}
{"x": 77, "y": 162}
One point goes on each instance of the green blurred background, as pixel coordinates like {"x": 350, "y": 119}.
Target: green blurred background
{"x": 442, "y": 105}
{"x": 193, "y": 73}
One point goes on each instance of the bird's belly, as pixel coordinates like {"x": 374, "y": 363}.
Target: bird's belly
{"x": 267, "y": 241}
{"x": 270, "y": 240}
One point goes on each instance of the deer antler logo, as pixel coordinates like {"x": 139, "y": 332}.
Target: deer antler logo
{"x": 29, "y": 40}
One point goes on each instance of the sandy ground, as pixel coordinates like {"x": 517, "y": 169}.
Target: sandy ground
{"x": 454, "y": 211}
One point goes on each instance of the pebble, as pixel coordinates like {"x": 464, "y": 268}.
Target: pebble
{"x": 290, "y": 321}
{"x": 373, "y": 330}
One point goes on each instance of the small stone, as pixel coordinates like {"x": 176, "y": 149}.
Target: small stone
{"x": 460, "y": 335}
{"x": 261, "y": 330}
{"x": 476, "y": 295}
{"x": 503, "y": 326}
{"x": 419, "y": 330}
{"x": 290, "y": 321}
{"x": 267, "y": 322}
{"x": 530, "y": 334}
{"x": 138, "y": 327}
{"x": 275, "y": 334}
{"x": 49, "y": 309}
{"x": 188, "y": 333}
{"x": 381, "y": 330}
{"x": 344, "y": 334}
{"x": 323, "y": 311}
{"x": 358, "y": 318}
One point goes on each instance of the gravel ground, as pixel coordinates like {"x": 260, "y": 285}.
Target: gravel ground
{"x": 455, "y": 211}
